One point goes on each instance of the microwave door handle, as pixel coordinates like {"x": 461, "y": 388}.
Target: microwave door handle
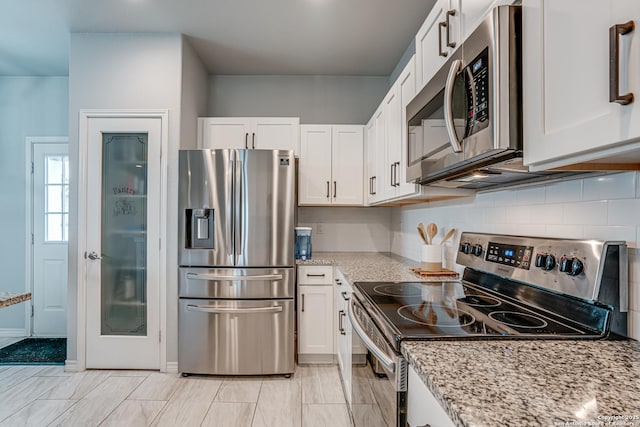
{"x": 448, "y": 106}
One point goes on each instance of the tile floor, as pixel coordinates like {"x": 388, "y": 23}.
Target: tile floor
{"x": 48, "y": 396}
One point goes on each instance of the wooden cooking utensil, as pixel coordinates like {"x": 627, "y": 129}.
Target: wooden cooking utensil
{"x": 448, "y": 235}
{"x": 432, "y": 230}
{"x": 423, "y": 233}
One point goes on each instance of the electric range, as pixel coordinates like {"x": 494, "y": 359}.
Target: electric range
{"x": 512, "y": 287}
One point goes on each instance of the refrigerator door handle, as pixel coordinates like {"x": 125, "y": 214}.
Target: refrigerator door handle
{"x": 216, "y": 310}
{"x": 229, "y": 209}
{"x": 206, "y": 276}
{"x": 239, "y": 214}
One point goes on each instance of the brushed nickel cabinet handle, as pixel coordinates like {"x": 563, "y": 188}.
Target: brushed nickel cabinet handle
{"x": 328, "y": 194}
{"x": 315, "y": 275}
{"x": 253, "y": 140}
{"x": 341, "y": 314}
{"x": 246, "y": 140}
{"x": 449, "y": 42}
{"x": 440, "y": 51}
{"x": 374, "y": 186}
{"x": 614, "y": 63}
{"x": 335, "y": 186}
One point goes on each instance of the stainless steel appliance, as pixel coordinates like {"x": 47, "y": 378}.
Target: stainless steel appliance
{"x": 512, "y": 288}
{"x": 465, "y": 126}
{"x": 237, "y": 279}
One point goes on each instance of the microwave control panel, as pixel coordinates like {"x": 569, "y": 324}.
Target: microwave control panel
{"x": 478, "y": 93}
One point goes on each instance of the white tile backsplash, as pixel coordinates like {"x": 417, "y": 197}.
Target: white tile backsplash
{"x": 623, "y": 212}
{"x": 564, "y": 192}
{"x": 585, "y": 213}
{"x": 617, "y": 186}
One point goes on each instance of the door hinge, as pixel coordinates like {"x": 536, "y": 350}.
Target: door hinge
{"x": 32, "y": 238}
{"x": 159, "y": 336}
{"x": 159, "y": 244}
{"x": 31, "y": 310}
{"x": 32, "y": 167}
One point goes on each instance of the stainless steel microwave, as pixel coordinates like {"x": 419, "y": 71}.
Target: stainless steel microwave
{"x": 465, "y": 125}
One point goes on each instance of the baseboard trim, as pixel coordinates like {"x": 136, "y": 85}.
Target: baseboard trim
{"x": 172, "y": 367}
{"x": 13, "y": 332}
{"x": 322, "y": 359}
{"x": 73, "y": 366}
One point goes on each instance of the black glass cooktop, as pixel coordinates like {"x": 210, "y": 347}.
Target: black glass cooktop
{"x": 424, "y": 310}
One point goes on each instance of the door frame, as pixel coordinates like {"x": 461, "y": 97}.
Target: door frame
{"x": 28, "y": 245}
{"x": 81, "y": 296}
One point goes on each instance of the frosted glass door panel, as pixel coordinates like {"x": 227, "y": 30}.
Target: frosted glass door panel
{"x": 124, "y": 234}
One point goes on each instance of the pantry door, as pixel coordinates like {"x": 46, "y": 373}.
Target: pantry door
{"x": 122, "y": 242}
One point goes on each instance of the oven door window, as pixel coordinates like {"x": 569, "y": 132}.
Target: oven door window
{"x": 428, "y": 138}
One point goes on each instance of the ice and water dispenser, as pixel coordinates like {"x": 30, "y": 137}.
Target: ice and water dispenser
{"x": 199, "y": 226}
{"x": 303, "y": 243}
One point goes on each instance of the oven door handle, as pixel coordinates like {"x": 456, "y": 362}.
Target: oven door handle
{"x": 387, "y": 361}
{"x": 217, "y": 310}
{"x": 456, "y": 66}
{"x": 205, "y": 276}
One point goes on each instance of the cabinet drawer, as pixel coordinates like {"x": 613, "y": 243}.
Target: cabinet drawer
{"x": 315, "y": 275}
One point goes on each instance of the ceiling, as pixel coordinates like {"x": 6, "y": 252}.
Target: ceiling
{"x": 281, "y": 37}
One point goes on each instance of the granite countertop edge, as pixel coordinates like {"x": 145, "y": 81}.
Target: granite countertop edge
{"x": 10, "y": 298}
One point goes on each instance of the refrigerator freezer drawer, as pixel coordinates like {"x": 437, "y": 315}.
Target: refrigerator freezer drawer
{"x": 229, "y": 337}
{"x": 237, "y": 283}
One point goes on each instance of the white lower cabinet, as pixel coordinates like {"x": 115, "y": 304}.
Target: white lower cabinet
{"x": 315, "y": 314}
{"x": 422, "y": 406}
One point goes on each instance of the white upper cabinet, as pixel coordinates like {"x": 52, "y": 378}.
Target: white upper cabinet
{"x": 407, "y": 90}
{"x": 275, "y": 133}
{"x": 393, "y": 116}
{"x": 446, "y": 26}
{"x": 331, "y": 165}
{"x": 569, "y": 114}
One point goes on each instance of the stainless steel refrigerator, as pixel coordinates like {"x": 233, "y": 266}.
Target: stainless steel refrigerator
{"x": 237, "y": 279}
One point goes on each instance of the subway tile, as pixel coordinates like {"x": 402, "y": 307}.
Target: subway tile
{"x": 624, "y": 212}
{"x": 611, "y": 232}
{"x": 484, "y": 199}
{"x": 547, "y": 214}
{"x": 504, "y": 198}
{"x": 530, "y": 196}
{"x": 494, "y": 215}
{"x": 532, "y": 230}
{"x": 592, "y": 213}
{"x": 615, "y": 186}
{"x": 518, "y": 214}
{"x": 565, "y": 231}
{"x": 565, "y": 191}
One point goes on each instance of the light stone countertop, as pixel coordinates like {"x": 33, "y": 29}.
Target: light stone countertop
{"x": 531, "y": 383}
{"x": 512, "y": 382}
{"x": 11, "y": 298}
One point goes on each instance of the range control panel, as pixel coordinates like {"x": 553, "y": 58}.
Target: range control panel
{"x": 514, "y": 255}
{"x": 568, "y": 266}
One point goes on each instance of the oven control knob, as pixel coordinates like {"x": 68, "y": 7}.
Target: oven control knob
{"x": 545, "y": 261}
{"x": 476, "y": 250}
{"x": 465, "y": 248}
{"x": 571, "y": 266}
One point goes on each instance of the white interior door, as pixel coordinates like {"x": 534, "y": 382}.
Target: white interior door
{"x": 122, "y": 243}
{"x": 50, "y": 219}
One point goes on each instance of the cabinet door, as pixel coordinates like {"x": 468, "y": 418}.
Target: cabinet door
{"x": 392, "y": 141}
{"x": 422, "y": 406}
{"x": 407, "y": 90}
{"x": 276, "y": 133}
{"x": 347, "y": 158}
{"x": 381, "y": 153}
{"x": 315, "y": 320}
{"x": 472, "y": 12}
{"x": 314, "y": 174}
{"x": 370, "y": 164}
{"x": 223, "y": 132}
{"x": 567, "y": 114}
{"x": 431, "y": 48}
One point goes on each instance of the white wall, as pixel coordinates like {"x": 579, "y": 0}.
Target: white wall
{"x": 30, "y": 106}
{"x": 347, "y": 229}
{"x": 606, "y": 208}
{"x": 122, "y": 71}
{"x": 315, "y": 99}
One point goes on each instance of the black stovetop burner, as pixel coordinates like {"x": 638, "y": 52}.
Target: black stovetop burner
{"x": 437, "y": 310}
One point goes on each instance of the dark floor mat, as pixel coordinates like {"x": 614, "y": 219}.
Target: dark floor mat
{"x": 35, "y": 351}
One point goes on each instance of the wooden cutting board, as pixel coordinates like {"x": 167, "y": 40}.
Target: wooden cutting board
{"x": 442, "y": 273}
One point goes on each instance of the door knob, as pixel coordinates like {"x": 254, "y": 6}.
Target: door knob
{"x": 93, "y": 255}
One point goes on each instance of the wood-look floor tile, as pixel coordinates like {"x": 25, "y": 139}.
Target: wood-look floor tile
{"x": 321, "y": 384}
{"x": 385, "y": 398}
{"x": 76, "y": 386}
{"x": 38, "y": 413}
{"x": 16, "y": 374}
{"x": 190, "y": 403}
{"x": 25, "y": 392}
{"x": 157, "y": 386}
{"x": 99, "y": 403}
{"x": 367, "y": 415}
{"x": 130, "y": 373}
{"x": 279, "y": 404}
{"x": 326, "y": 415}
{"x": 53, "y": 371}
{"x": 134, "y": 413}
{"x": 230, "y": 414}
{"x": 239, "y": 390}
